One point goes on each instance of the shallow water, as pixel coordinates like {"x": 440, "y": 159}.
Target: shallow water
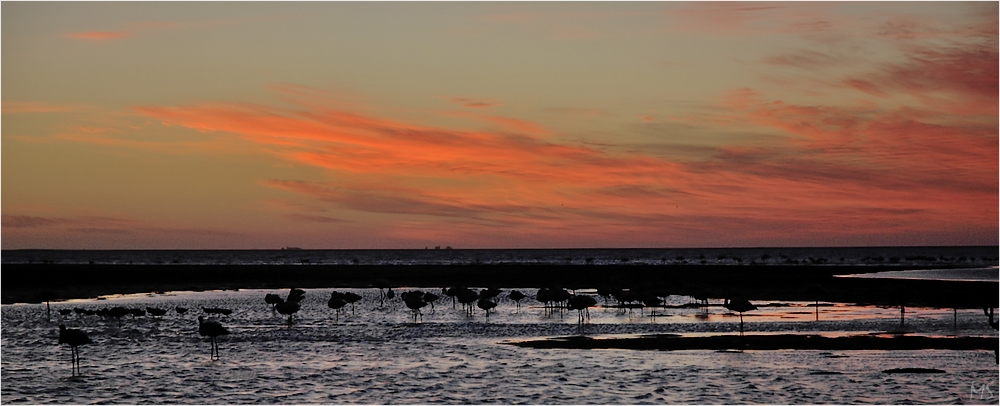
{"x": 377, "y": 355}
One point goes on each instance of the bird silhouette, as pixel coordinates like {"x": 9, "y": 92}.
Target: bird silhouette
{"x": 582, "y": 304}
{"x": 336, "y": 302}
{"x": 46, "y": 296}
{"x": 65, "y": 312}
{"x": 180, "y": 310}
{"x": 117, "y": 312}
{"x": 74, "y": 338}
{"x": 516, "y": 296}
{"x": 381, "y": 284}
{"x": 988, "y": 311}
{"x": 451, "y": 292}
{"x": 351, "y": 297}
{"x": 211, "y": 329}
{"x": 651, "y": 301}
{"x": 430, "y": 298}
{"x": 739, "y": 305}
{"x": 288, "y": 309}
{"x": 467, "y": 297}
{"x": 272, "y": 299}
{"x": 414, "y": 300}
{"x": 295, "y": 295}
{"x": 486, "y": 304}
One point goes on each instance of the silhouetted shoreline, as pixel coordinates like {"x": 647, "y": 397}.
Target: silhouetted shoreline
{"x": 27, "y": 283}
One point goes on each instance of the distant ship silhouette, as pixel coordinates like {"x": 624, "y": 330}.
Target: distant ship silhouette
{"x": 290, "y": 248}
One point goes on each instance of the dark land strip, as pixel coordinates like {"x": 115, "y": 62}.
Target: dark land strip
{"x": 30, "y": 283}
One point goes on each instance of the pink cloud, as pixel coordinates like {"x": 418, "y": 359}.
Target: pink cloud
{"x": 839, "y": 172}
{"x": 473, "y": 103}
{"x": 959, "y": 79}
{"x": 98, "y": 35}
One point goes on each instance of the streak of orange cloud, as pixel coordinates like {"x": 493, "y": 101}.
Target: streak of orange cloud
{"x": 98, "y": 35}
{"x": 838, "y": 173}
{"x": 35, "y": 107}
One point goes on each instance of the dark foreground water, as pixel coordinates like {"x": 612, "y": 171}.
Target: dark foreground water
{"x": 376, "y": 355}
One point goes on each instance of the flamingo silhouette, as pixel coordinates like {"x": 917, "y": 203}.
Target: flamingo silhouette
{"x": 337, "y": 301}
{"x": 212, "y": 329}
{"x": 381, "y": 284}
{"x": 739, "y": 305}
{"x": 288, "y": 309}
{"x": 351, "y": 297}
{"x": 430, "y": 298}
{"x": 651, "y": 301}
{"x": 74, "y": 338}
{"x": 117, "y": 312}
{"x": 180, "y": 310}
{"x": 466, "y": 297}
{"x": 516, "y": 296}
{"x": 486, "y": 305}
{"x": 272, "y": 299}
{"x": 414, "y": 300}
{"x": 581, "y": 304}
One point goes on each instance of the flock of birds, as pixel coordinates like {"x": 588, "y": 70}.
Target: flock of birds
{"x": 553, "y": 299}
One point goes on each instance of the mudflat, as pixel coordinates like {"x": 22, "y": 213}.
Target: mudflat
{"x": 30, "y": 283}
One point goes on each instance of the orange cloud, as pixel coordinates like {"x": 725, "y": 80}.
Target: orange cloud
{"x": 98, "y": 35}
{"x": 473, "y": 103}
{"x": 839, "y": 174}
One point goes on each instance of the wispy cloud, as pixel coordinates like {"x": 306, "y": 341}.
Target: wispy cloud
{"x": 99, "y": 231}
{"x": 473, "y": 103}
{"x": 10, "y": 107}
{"x": 98, "y": 35}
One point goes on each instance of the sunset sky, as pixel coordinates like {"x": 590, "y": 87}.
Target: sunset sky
{"x": 498, "y": 125}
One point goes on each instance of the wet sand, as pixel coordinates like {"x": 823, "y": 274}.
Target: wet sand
{"x": 672, "y": 342}
{"x": 28, "y": 283}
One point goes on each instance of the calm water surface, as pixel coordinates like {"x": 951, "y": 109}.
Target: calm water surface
{"x": 376, "y": 355}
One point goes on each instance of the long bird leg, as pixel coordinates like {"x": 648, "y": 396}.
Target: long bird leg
{"x": 741, "y": 324}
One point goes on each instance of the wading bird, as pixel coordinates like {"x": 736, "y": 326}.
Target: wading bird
{"x": 74, "y": 338}
{"x": 212, "y": 329}
{"x": 486, "y": 305}
{"x": 351, "y": 297}
{"x": 739, "y": 305}
{"x": 117, "y": 312}
{"x": 336, "y": 303}
{"x": 581, "y": 304}
{"x": 466, "y": 297}
{"x": 288, "y": 309}
{"x": 430, "y": 298}
{"x": 516, "y": 296}
{"x": 272, "y": 299}
{"x": 414, "y": 300}
{"x": 180, "y": 310}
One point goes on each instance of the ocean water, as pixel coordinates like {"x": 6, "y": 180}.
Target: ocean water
{"x": 376, "y": 354}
